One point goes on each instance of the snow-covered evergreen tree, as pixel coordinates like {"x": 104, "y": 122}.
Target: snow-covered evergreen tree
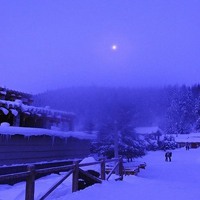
{"x": 129, "y": 146}
{"x": 197, "y": 113}
{"x": 180, "y": 114}
{"x": 167, "y": 143}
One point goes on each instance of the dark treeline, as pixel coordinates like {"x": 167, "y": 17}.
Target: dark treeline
{"x": 175, "y": 109}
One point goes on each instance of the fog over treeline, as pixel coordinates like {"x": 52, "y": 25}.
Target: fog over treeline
{"x": 175, "y": 109}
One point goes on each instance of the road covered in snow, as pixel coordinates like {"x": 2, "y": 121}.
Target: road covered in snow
{"x": 179, "y": 179}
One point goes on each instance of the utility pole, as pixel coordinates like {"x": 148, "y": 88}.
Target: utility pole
{"x": 116, "y": 141}
{"x": 116, "y": 146}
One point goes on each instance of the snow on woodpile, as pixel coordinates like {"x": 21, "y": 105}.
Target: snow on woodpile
{"x": 11, "y": 130}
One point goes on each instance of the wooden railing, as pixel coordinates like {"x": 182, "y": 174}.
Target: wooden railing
{"x": 74, "y": 169}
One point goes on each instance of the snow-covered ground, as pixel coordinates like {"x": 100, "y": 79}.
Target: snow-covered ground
{"x": 179, "y": 179}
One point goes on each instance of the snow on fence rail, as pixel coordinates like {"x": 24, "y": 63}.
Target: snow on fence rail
{"x": 74, "y": 169}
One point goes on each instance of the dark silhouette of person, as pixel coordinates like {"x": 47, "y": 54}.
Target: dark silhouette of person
{"x": 166, "y": 156}
{"x": 170, "y": 156}
{"x": 187, "y": 146}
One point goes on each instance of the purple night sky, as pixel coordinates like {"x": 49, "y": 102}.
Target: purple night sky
{"x": 53, "y": 44}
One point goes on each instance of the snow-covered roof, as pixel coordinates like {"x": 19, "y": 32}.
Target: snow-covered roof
{"x": 17, "y": 104}
{"x": 147, "y": 130}
{"x": 192, "y": 137}
{"x": 4, "y": 91}
{"x": 11, "y": 130}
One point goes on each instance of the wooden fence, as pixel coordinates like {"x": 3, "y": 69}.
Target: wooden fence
{"x": 74, "y": 169}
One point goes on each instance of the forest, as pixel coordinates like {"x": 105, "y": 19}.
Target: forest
{"x": 105, "y": 110}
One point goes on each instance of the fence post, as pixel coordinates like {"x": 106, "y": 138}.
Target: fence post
{"x": 103, "y": 169}
{"x": 121, "y": 167}
{"x": 30, "y": 183}
{"x": 75, "y": 177}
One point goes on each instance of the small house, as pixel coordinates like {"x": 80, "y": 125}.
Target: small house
{"x": 149, "y": 132}
{"x": 193, "y": 139}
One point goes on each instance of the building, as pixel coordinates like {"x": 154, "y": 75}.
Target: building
{"x": 193, "y": 139}
{"x": 20, "y": 145}
{"x": 16, "y": 109}
{"x": 30, "y": 134}
{"x": 149, "y": 132}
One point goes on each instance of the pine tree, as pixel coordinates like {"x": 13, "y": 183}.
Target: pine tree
{"x": 180, "y": 114}
{"x": 129, "y": 146}
{"x": 197, "y": 113}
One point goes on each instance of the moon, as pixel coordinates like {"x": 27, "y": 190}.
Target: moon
{"x": 114, "y": 47}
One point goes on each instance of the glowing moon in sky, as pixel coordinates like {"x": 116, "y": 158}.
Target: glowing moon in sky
{"x": 114, "y": 47}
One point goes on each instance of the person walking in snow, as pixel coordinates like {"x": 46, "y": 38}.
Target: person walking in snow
{"x": 170, "y": 156}
{"x": 187, "y": 146}
{"x": 166, "y": 156}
